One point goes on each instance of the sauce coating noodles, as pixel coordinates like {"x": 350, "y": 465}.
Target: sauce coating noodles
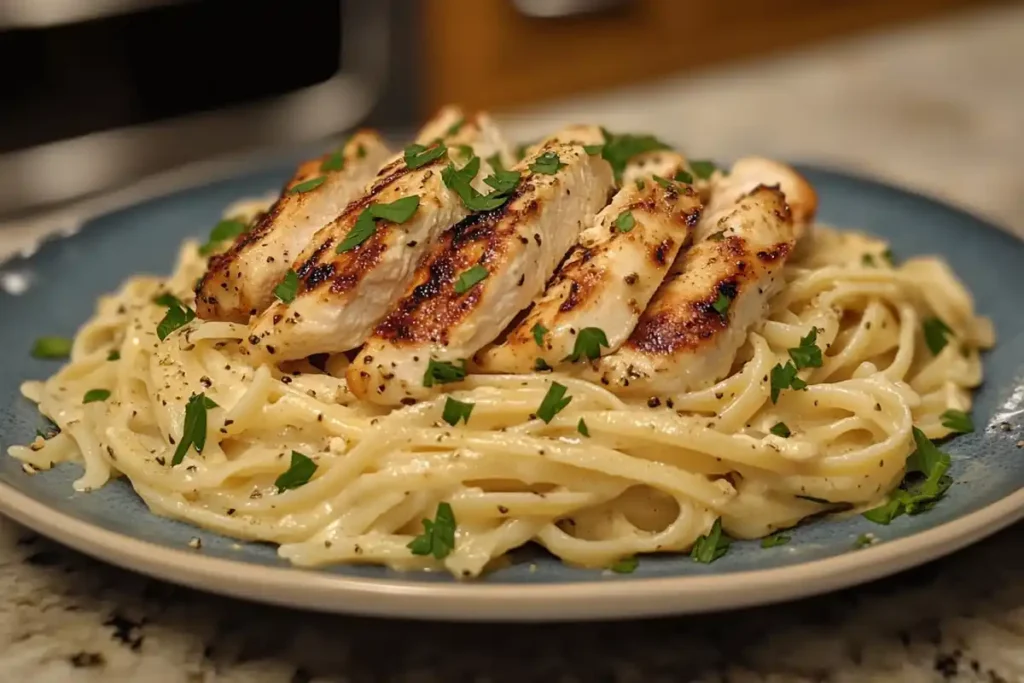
{"x": 648, "y": 478}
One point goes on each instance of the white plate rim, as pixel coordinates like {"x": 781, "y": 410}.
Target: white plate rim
{"x": 482, "y": 601}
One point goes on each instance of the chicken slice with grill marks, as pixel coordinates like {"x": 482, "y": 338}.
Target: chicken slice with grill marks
{"x": 745, "y": 175}
{"x": 481, "y": 274}
{"x": 341, "y": 296}
{"x": 611, "y": 274}
{"x": 688, "y": 336}
{"x": 240, "y": 282}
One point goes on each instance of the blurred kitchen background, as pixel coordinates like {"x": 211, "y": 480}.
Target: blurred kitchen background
{"x": 110, "y": 100}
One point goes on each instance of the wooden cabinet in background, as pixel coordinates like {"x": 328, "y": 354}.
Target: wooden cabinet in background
{"x": 501, "y": 53}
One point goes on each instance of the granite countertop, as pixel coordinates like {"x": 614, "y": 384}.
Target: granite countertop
{"x": 937, "y": 107}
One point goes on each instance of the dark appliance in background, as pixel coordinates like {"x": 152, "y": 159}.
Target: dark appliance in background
{"x": 100, "y": 93}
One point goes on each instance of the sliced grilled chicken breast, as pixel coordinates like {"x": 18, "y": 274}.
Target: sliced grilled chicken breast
{"x": 481, "y": 274}
{"x": 342, "y": 296}
{"x": 446, "y": 123}
{"x": 748, "y": 173}
{"x": 574, "y": 134}
{"x": 662, "y": 162}
{"x": 689, "y": 333}
{"x": 240, "y": 282}
{"x": 609, "y": 276}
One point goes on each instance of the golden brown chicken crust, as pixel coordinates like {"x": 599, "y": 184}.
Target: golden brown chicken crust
{"x": 586, "y": 282}
{"x": 671, "y": 325}
{"x": 433, "y": 306}
{"x": 227, "y": 271}
{"x": 320, "y": 265}
{"x": 219, "y": 273}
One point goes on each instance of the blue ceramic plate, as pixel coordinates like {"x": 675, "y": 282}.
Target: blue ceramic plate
{"x": 65, "y": 276}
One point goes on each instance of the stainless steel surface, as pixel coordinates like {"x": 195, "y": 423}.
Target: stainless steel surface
{"x": 73, "y": 168}
{"x": 28, "y": 14}
{"x": 552, "y": 9}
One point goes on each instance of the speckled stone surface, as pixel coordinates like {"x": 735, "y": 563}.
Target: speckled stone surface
{"x": 937, "y": 108}
{"x": 67, "y": 618}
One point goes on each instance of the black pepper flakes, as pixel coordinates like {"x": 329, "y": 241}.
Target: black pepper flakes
{"x": 87, "y": 660}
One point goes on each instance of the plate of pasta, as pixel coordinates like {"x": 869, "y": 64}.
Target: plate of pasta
{"x": 582, "y": 377}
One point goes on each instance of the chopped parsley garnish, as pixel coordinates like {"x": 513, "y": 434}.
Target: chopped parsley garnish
{"x": 443, "y": 372}
{"x": 639, "y": 183}
{"x": 717, "y": 236}
{"x": 398, "y": 211}
{"x": 627, "y": 565}
{"x": 458, "y": 181}
{"x": 362, "y": 230}
{"x": 193, "y": 434}
{"x": 177, "y": 315}
{"x": 958, "y": 421}
{"x": 785, "y": 377}
{"x": 456, "y": 127}
{"x": 593, "y": 149}
{"x": 299, "y": 472}
{"x": 588, "y": 343}
{"x": 547, "y": 163}
{"x": 469, "y": 278}
{"x": 581, "y": 427}
{"x": 927, "y": 459}
{"x": 114, "y": 355}
{"x": 664, "y": 182}
{"x": 361, "y": 151}
{"x": 683, "y": 177}
{"x": 887, "y": 255}
{"x": 503, "y": 182}
{"x": 775, "y": 540}
{"x": 780, "y": 429}
{"x": 863, "y": 541}
{"x": 94, "y": 395}
{"x": 807, "y": 355}
{"x": 884, "y": 514}
{"x": 625, "y": 221}
{"x": 227, "y": 229}
{"x": 464, "y": 151}
{"x": 167, "y": 299}
{"x": 923, "y": 486}
{"x": 307, "y": 185}
{"x": 539, "y": 331}
{"x": 711, "y": 546}
{"x": 541, "y": 365}
{"x": 703, "y": 169}
{"x": 467, "y": 173}
{"x": 288, "y": 287}
{"x": 438, "y": 537}
{"x": 421, "y": 155}
{"x": 335, "y": 161}
{"x": 721, "y": 304}
{"x": 52, "y": 347}
{"x": 455, "y": 411}
{"x": 495, "y": 162}
{"x": 868, "y": 260}
{"x": 619, "y": 149}
{"x": 935, "y": 335}
{"x": 554, "y": 402}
